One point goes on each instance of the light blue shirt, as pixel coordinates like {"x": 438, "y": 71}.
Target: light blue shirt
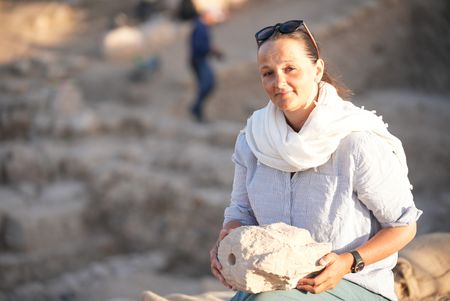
{"x": 361, "y": 189}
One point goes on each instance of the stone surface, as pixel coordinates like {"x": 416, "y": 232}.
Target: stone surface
{"x": 45, "y": 223}
{"x": 423, "y": 267}
{"x": 128, "y": 43}
{"x": 273, "y": 257}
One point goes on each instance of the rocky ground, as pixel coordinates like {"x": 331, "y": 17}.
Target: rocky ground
{"x": 107, "y": 187}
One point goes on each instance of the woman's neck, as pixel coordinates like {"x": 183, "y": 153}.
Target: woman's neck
{"x": 298, "y": 118}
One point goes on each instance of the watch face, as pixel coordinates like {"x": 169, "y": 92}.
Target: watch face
{"x": 359, "y": 267}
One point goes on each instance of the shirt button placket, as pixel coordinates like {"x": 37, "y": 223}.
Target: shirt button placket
{"x": 291, "y": 197}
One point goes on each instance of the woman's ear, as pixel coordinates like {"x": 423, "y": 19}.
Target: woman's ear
{"x": 320, "y": 68}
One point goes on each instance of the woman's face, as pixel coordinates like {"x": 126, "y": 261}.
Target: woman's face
{"x": 288, "y": 74}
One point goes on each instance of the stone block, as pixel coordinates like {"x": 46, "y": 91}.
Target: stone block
{"x": 423, "y": 267}
{"x": 271, "y": 257}
{"x": 126, "y": 43}
{"x": 55, "y": 217}
{"x": 19, "y": 268}
{"x": 24, "y": 163}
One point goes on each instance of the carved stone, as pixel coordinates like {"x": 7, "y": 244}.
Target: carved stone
{"x": 265, "y": 258}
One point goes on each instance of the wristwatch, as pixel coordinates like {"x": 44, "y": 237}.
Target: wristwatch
{"x": 358, "y": 263}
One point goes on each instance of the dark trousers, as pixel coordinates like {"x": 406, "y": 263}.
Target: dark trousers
{"x": 205, "y": 84}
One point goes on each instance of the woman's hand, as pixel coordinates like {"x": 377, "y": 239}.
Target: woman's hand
{"x": 336, "y": 267}
{"x": 215, "y": 264}
{"x": 386, "y": 242}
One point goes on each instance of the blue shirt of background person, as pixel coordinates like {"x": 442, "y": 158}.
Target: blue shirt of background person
{"x": 200, "y": 40}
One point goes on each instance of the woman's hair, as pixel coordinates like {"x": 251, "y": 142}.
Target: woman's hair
{"x": 311, "y": 51}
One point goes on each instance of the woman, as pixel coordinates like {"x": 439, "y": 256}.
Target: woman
{"x": 314, "y": 161}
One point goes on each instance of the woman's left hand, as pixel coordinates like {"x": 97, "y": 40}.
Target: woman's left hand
{"x": 336, "y": 267}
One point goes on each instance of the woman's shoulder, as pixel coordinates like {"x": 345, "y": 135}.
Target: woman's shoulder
{"x": 366, "y": 146}
{"x": 354, "y": 141}
{"x": 242, "y": 151}
{"x": 241, "y": 143}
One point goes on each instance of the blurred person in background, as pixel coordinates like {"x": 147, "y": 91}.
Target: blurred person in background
{"x": 201, "y": 49}
{"x": 315, "y": 161}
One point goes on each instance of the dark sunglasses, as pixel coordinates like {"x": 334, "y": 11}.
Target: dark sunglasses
{"x": 284, "y": 28}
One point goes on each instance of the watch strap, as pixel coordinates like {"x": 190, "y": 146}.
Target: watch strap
{"x": 358, "y": 263}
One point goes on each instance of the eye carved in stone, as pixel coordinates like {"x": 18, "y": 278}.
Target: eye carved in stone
{"x": 231, "y": 259}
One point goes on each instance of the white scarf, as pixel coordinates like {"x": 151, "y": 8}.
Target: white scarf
{"x": 276, "y": 144}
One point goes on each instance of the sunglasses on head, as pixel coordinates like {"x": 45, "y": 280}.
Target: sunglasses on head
{"x": 284, "y": 28}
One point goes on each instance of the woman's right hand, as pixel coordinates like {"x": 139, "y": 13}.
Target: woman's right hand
{"x": 216, "y": 267}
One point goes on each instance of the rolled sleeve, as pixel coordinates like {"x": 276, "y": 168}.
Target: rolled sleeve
{"x": 409, "y": 216}
{"x": 382, "y": 185}
{"x": 239, "y": 208}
